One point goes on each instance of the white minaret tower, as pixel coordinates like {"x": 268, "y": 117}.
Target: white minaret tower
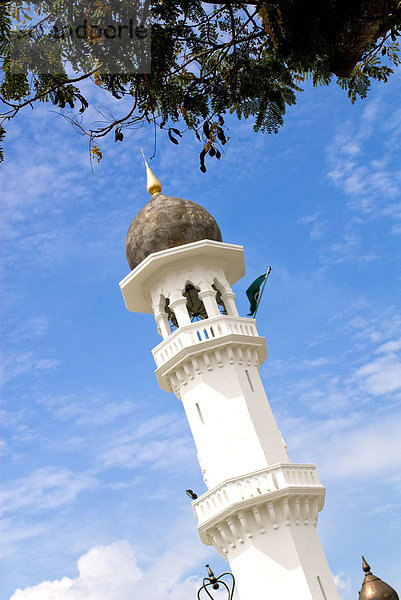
{"x": 261, "y": 510}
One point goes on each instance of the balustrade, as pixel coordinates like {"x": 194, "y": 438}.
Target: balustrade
{"x": 202, "y": 331}
{"x": 261, "y": 483}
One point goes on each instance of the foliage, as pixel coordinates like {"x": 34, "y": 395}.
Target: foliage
{"x": 207, "y": 60}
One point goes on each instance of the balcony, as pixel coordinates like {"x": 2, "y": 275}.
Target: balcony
{"x": 201, "y": 334}
{"x": 260, "y": 486}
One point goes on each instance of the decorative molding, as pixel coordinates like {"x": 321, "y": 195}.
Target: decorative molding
{"x": 242, "y": 525}
{"x": 205, "y": 346}
{"x": 186, "y": 370}
{"x": 244, "y": 507}
{"x": 200, "y": 333}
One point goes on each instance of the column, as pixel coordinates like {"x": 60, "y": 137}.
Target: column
{"x": 208, "y": 298}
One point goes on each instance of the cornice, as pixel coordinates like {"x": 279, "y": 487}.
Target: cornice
{"x": 254, "y": 504}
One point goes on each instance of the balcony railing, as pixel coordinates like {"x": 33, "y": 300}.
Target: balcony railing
{"x": 260, "y": 483}
{"x": 200, "y": 332}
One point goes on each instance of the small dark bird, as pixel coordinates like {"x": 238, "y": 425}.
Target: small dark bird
{"x": 191, "y": 494}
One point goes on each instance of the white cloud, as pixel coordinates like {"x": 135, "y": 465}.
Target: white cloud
{"x": 363, "y": 164}
{"x": 383, "y": 374}
{"x": 349, "y": 249}
{"x": 364, "y": 177}
{"x": 366, "y": 171}
{"x": 370, "y": 113}
{"x": 368, "y": 365}
{"x": 311, "y": 364}
{"x": 32, "y": 328}
{"x": 391, "y": 346}
{"x": 54, "y": 208}
{"x": 357, "y": 445}
{"x": 13, "y": 533}
{"x": 17, "y": 364}
{"x": 348, "y": 417}
{"x": 105, "y": 573}
{"x": 317, "y": 229}
{"x": 343, "y": 583}
{"x": 91, "y": 412}
{"x": 44, "y": 489}
{"x": 369, "y": 449}
{"x": 3, "y": 447}
{"x": 112, "y": 573}
{"x": 159, "y": 442}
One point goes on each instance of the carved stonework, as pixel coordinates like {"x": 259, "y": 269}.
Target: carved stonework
{"x": 246, "y": 524}
{"x": 244, "y": 507}
{"x": 207, "y": 346}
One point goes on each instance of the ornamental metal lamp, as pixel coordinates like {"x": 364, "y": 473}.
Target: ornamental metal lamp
{"x": 212, "y": 583}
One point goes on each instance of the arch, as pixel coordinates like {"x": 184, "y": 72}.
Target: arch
{"x": 220, "y": 290}
{"x": 165, "y": 308}
{"x": 196, "y": 308}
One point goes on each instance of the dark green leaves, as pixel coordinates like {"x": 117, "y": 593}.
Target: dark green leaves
{"x": 2, "y": 132}
{"x": 206, "y": 61}
{"x": 118, "y": 135}
{"x": 171, "y": 137}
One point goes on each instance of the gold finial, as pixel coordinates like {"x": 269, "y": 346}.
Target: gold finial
{"x": 365, "y": 566}
{"x": 153, "y": 185}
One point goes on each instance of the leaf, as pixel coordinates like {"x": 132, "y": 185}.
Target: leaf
{"x": 83, "y": 101}
{"x": 118, "y": 136}
{"x": 96, "y": 152}
{"x": 59, "y": 99}
{"x": 221, "y": 136}
{"x": 202, "y": 161}
{"x": 172, "y": 139}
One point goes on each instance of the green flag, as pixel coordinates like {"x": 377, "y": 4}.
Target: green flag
{"x": 253, "y": 293}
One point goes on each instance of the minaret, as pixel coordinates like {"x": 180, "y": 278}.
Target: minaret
{"x": 261, "y": 510}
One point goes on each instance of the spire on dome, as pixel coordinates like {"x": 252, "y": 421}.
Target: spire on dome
{"x": 152, "y": 183}
{"x": 374, "y": 588}
{"x": 365, "y": 566}
{"x": 167, "y": 222}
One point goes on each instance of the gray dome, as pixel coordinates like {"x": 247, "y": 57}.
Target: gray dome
{"x": 166, "y": 222}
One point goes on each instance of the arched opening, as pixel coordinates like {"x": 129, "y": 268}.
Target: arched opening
{"x": 170, "y": 315}
{"x": 219, "y": 300}
{"x": 196, "y": 308}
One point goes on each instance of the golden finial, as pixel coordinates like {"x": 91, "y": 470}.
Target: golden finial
{"x": 365, "y": 566}
{"x": 153, "y": 185}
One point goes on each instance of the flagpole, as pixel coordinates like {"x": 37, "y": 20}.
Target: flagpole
{"x": 261, "y": 293}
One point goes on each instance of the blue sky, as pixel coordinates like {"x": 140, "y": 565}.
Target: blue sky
{"x": 96, "y": 457}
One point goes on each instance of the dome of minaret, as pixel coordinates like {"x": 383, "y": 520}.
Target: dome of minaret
{"x": 374, "y": 588}
{"x": 166, "y": 222}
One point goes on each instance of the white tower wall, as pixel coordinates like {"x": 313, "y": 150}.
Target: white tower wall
{"x": 289, "y": 560}
{"x": 233, "y": 427}
{"x": 260, "y": 512}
